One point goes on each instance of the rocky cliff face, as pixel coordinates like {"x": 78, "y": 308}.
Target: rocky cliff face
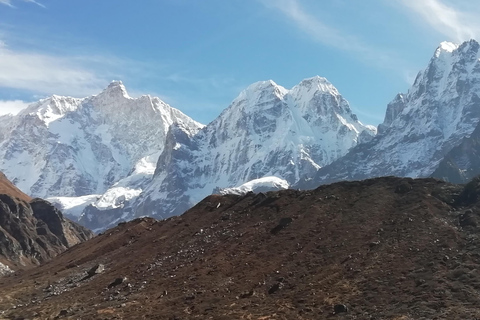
{"x": 266, "y": 131}
{"x": 421, "y": 127}
{"x": 33, "y": 230}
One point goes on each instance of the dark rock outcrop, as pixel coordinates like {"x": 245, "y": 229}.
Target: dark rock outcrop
{"x": 33, "y": 231}
{"x": 470, "y": 193}
{"x": 340, "y": 308}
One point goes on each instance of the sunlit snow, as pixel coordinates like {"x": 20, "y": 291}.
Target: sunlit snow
{"x": 262, "y": 184}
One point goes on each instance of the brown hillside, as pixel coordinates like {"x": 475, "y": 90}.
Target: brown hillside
{"x": 387, "y": 248}
{"x": 32, "y": 231}
{"x": 6, "y": 187}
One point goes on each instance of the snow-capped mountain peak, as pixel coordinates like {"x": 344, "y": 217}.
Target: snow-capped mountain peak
{"x": 314, "y": 85}
{"x": 51, "y": 109}
{"x": 317, "y": 97}
{"x": 115, "y": 89}
{"x": 445, "y": 46}
{"x": 450, "y": 63}
{"x": 266, "y": 131}
{"x": 63, "y": 146}
{"x": 260, "y": 86}
{"x": 420, "y": 127}
{"x": 259, "y": 93}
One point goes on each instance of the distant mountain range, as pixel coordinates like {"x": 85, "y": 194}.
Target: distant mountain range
{"x": 109, "y": 157}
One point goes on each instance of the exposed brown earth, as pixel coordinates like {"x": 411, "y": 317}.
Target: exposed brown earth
{"x": 387, "y": 248}
{"x": 6, "y": 187}
{"x": 33, "y": 231}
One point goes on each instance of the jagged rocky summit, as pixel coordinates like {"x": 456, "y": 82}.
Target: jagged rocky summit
{"x": 422, "y": 126}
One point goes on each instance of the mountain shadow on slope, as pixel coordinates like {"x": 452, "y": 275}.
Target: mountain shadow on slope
{"x": 470, "y": 193}
{"x": 462, "y": 163}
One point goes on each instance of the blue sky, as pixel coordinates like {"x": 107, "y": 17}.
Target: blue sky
{"x": 198, "y": 55}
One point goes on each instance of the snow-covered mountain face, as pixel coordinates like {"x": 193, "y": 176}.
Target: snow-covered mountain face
{"x": 420, "y": 127}
{"x": 266, "y": 131}
{"x": 69, "y": 147}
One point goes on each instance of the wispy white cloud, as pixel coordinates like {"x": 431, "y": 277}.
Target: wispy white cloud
{"x": 333, "y": 37}
{"x": 12, "y": 106}
{"x": 46, "y": 74}
{"x": 31, "y": 72}
{"x": 10, "y": 3}
{"x": 314, "y": 27}
{"x": 452, "y": 19}
{"x": 6, "y": 2}
{"x": 36, "y": 2}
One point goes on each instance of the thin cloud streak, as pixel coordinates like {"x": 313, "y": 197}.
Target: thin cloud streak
{"x": 9, "y": 3}
{"x": 446, "y": 19}
{"x": 37, "y": 3}
{"x": 46, "y": 74}
{"x": 333, "y": 37}
{"x": 78, "y": 75}
{"x": 309, "y": 24}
